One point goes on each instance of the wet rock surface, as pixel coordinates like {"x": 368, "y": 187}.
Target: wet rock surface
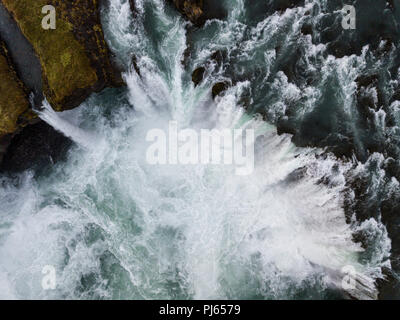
{"x": 36, "y": 147}
{"x": 14, "y": 103}
{"x": 219, "y": 88}
{"x": 74, "y": 57}
{"x": 26, "y": 62}
{"x": 199, "y": 11}
{"x": 198, "y": 75}
{"x": 64, "y": 65}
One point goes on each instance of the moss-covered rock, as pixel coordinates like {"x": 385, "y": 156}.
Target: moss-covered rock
{"x": 14, "y": 102}
{"x": 74, "y": 57}
{"x": 191, "y": 9}
{"x": 15, "y": 111}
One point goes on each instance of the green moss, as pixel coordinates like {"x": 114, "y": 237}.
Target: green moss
{"x": 13, "y": 99}
{"x": 66, "y": 63}
{"x": 66, "y": 59}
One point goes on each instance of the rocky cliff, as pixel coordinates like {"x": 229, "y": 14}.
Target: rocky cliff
{"x": 14, "y": 103}
{"x": 74, "y": 57}
{"x": 72, "y": 60}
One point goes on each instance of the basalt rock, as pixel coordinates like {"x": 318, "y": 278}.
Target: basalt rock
{"x": 389, "y": 286}
{"x": 214, "y": 10}
{"x": 74, "y": 57}
{"x": 307, "y": 29}
{"x": 36, "y": 147}
{"x": 219, "y": 88}
{"x": 133, "y": 6}
{"x": 135, "y": 65}
{"x": 198, "y": 75}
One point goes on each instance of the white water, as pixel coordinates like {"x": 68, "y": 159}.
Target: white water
{"x": 115, "y": 227}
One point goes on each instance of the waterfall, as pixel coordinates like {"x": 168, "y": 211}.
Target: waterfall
{"x": 116, "y": 227}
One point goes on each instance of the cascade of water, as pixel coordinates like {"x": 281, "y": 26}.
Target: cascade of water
{"x": 115, "y": 226}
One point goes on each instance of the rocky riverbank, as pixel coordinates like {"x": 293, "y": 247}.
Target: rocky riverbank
{"x": 14, "y": 103}
{"x": 64, "y": 65}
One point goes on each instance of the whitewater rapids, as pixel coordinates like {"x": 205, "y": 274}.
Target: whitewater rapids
{"x": 115, "y": 227}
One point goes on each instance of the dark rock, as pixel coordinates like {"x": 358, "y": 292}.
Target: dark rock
{"x": 198, "y": 75}
{"x": 257, "y": 11}
{"x": 367, "y": 80}
{"x": 283, "y": 5}
{"x": 214, "y": 10}
{"x": 340, "y": 49}
{"x": 246, "y": 101}
{"x": 219, "y": 57}
{"x": 387, "y": 46}
{"x": 284, "y": 126}
{"x": 199, "y": 11}
{"x": 288, "y": 63}
{"x": 37, "y": 146}
{"x": 191, "y": 9}
{"x": 219, "y": 88}
{"x": 375, "y": 23}
{"x": 4, "y": 143}
{"x": 306, "y": 29}
{"x": 296, "y": 175}
{"x": 389, "y": 287}
{"x": 133, "y": 6}
{"x": 15, "y": 110}
{"x": 366, "y": 101}
{"x": 135, "y": 65}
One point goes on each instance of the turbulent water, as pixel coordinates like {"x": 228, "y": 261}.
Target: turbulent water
{"x": 115, "y": 227}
